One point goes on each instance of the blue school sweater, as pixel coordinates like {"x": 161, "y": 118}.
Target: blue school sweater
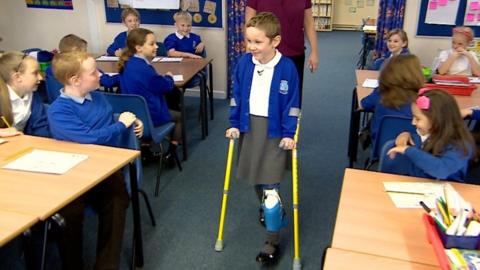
{"x": 37, "y": 124}
{"x": 476, "y": 114}
{"x": 452, "y": 164}
{"x": 380, "y": 62}
{"x": 84, "y": 121}
{"x": 186, "y": 44}
{"x": 119, "y": 42}
{"x": 138, "y": 77}
{"x": 372, "y": 103}
{"x": 283, "y": 103}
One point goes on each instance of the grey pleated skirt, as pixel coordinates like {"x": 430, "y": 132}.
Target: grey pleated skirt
{"x": 260, "y": 160}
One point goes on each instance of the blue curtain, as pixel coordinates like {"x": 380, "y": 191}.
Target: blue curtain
{"x": 236, "y": 21}
{"x": 390, "y": 16}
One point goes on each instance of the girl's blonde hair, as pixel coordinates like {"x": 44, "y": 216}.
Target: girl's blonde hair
{"x": 401, "y": 33}
{"x": 136, "y": 37}
{"x": 465, "y": 31}
{"x": 130, "y": 11}
{"x": 447, "y": 124}
{"x": 400, "y": 80}
{"x": 10, "y": 63}
{"x": 267, "y": 22}
{"x": 67, "y": 65}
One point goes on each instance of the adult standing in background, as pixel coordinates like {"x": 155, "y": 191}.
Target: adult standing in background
{"x": 296, "y": 21}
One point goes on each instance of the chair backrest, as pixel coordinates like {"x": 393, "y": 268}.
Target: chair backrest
{"x": 161, "y": 50}
{"x": 135, "y": 104}
{"x": 390, "y": 127}
{"x": 130, "y": 141}
{"x": 53, "y": 87}
{"x": 399, "y": 165}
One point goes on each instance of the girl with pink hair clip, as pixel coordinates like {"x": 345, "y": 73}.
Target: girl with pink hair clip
{"x": 458, "y": 60}
{"x": 442, "y": 147}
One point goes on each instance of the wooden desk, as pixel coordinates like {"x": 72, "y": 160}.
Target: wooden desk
{"x": 42, "y": 195}
{"x": 339, "y": 259}
{"x": 368, "y": 221}
{"x": 12, "y": 224}
{"x": 188, "y": 68}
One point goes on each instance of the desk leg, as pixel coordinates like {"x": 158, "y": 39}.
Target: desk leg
{"x": 183, "y": 120}
{"x": 354, "y": 128}
{"x": 205, "y": 107}
{"x": 137, "y": 250}
{"x": 202, "y": 105}
{"x": 210, "y": 92}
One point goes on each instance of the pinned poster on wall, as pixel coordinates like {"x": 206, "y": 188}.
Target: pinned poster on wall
{"x": 472, "y": 13}
{"x": 51, "y": 4}
{"x": 442, "y": 12}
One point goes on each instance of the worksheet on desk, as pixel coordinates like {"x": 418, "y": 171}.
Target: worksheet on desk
{"x": 409, "y": 194}
{"x": 44, "y": 161}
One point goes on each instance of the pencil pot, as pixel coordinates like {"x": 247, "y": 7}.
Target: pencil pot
{"x": 460, "y": 242}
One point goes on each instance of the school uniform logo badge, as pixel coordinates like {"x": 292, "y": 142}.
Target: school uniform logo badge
{"x": 283, "y": 87}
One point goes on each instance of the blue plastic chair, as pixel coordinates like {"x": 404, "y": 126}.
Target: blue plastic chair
{"x": 137, "y": 105}
{"x": 390, "y": 127}
{"x": 399, "y": 165}
{"x": 161, "y": 50}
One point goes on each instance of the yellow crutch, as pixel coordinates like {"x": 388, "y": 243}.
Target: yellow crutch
{"x": 219, "y": 243}
{"x": 297, "y": 265}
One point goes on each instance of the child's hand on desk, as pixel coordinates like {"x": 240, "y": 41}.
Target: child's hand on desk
{"x": 118, "y": 52}
{"x": 466, "y": 112}
{"x": 9, "y": 132}
{"x": 199, "y": 48}
{"x": 397, "y": 149}
{"x": 232, "y": 133}
{"x": 404, "y": 139}
{"x": 191, "y": 55}
{"x": 169, "y": 73}
{"x": 138, "y": 128}
{"x": 287, "y": 143}
{"x": 127, "y": 118}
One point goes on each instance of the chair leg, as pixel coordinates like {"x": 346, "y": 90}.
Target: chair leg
{"x": 177, "y": 160}
{"x": 159, "y": 171}
{"x": 149, "y": 208}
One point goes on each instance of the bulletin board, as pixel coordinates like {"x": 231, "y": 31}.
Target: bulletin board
{"x": 205, "y": 13}
{"x": 441, "y": 30}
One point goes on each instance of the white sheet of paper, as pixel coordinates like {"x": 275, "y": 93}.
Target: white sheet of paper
{"x": 111, "y": 73}
{"x": 178, "y": 78}
{"x": 167, "y": 59}
{"x": 409, "y": 194}
{"x": 474, "y": 79}
{"x": 442, "y": 14}
{"x": 44, "y": 161}
{"x": 370, "y": 83}
{"x": 2, "y": 141}
{"x": 107, "y": 58}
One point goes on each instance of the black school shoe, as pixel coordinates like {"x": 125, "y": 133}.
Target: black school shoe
{"x": 267, "y": 259}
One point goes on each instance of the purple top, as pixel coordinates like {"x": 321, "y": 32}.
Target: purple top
{"x": 291, "y": 15}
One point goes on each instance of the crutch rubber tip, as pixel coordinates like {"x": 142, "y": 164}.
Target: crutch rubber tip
{"x": 219, "y": 245}
{"x": 297, "y": 265}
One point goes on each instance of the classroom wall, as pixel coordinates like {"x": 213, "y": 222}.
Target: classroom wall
{"x": 342, "y": 16}
{"x": 426, "y": 48}
{"x": 43, "y": 28}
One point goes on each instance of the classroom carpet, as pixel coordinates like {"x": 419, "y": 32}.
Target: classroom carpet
{"x": 188, "y": 207}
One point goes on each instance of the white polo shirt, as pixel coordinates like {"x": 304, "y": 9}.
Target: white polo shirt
{"x": 261, "y": 83}
{"x": 21, "y": 108}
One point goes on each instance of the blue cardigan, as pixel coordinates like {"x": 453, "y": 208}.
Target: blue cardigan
{"x": 378, "y": 63}
{"x": 90, "y": 121}
{"x": 37, "y": 124}
{"x": 119, "y": 42}
{"x": 186, "y": 44}
{"x": 283, "y": 103}
{"x": 372, "y": 103}
{"x": 140, "y": 78}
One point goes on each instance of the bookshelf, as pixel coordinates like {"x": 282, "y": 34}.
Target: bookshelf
{"x": 322, "y": 11}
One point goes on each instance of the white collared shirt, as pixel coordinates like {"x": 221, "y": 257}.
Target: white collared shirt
{"x": 261, "y": 83}
{"x": 21, "y": 108}
{"x": 180, "y": 36}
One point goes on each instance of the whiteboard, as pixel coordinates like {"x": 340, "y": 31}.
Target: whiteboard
{"x": 152, "y": 4}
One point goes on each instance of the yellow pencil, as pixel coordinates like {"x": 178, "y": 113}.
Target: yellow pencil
{"x": 5, "y": 121}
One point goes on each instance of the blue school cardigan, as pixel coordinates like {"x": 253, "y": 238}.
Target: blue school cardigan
{"x": 140, "y": 78}
{"x": 283, "y": 103}
{"x": 186, "y": 44}
{"x": 119, "y": 42}
{"x": 37, "y": 124}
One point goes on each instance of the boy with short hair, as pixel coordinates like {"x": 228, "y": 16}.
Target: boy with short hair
{"x": 184, "y": 43}
{"x": 131, "y": 19}
{"x": 84, "y": 116}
